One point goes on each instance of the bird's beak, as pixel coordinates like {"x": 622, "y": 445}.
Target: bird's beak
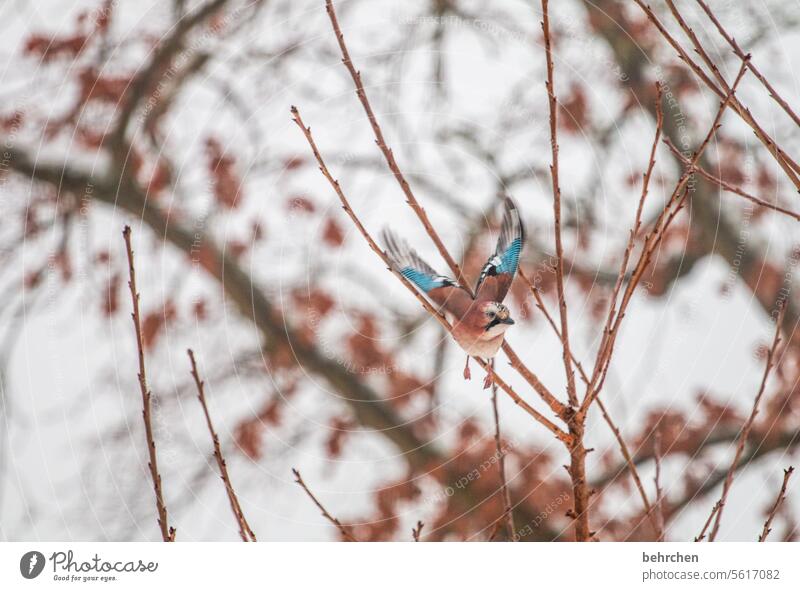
{"x": 507, "y": 320}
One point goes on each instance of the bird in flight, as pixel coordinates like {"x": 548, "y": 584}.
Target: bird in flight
{"x": 480, "y": 322}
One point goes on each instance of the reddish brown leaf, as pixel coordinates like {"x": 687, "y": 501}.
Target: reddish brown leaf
{"x": 332, "y": 233}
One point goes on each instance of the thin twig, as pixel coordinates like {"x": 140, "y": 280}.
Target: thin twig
{"x": 613, "y": 312}
{"x": 417, "y": 531}
{"x": 778, "y": 502}
{"x": 167, "y": 532}
{"x": 748, "y": 425}
{"x": 727, "y": 186}
{"x": 552, "y": 427}
{"x": 657, "y": 481}
{"x": 501, "y": 465}
{"x": 566, "y": 355}
{"x": 701, "y": 536}
{"x": 338, "y": 524}
{"x": 245, "y": 531}
{"x": 751, "y": 66}
{"x": 788, "y": 165}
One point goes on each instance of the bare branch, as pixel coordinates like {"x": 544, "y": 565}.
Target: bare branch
{"x": 777, "y": 505}
{"x": 501, "y": 466}
{"x": 657, "y": 481}
{"x": 788, "y": 165}
{"x": 167, "y": 532}
{"x": 245, "y": 531}
{"x": 652, "y": 241}
{"x": 417, "y": 531}
{"x": 559, "y": 265}
{"x": 626, "y": 454}
{"x": 726, "y": 487}
{"x": 727, "y": 186}
{"x": 338, "y": 524}
{"x": 750, "y": 65}
{"x": 701, "y": 536}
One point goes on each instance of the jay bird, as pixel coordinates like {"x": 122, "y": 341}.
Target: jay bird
{"x": 479, "y": 323}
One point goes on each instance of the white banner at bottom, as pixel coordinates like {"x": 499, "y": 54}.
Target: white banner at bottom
{"x": 398, "y": 566}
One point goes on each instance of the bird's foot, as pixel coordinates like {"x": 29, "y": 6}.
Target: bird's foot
{"x": 488, "y": 380}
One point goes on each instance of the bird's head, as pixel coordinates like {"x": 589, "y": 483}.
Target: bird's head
{"x": 497, "y": 318}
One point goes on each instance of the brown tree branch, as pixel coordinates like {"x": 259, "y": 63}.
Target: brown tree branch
{"x": 750, "y": 65}
{"x": 745, "y": 434}
{"x": 727, "y": 186}
{"x": 713, "y": 232}
{"x": 657, "y": 481}
{"x": 778, "y": 502}
{"x": 786, "y": 163}
{"x": 336, "y": 523}
{"x": 566, "y": 355}
{"x": 146, "y": 78}
{"x": 245, "y": 531}
{"x": 701, "y": 536}
{"x": 167, "y": 532}
{"x": 501, "y": 467}
{"x": 613, "y": 312}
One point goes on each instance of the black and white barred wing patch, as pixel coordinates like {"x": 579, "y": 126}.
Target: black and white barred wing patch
{"x": 498, "y": 272}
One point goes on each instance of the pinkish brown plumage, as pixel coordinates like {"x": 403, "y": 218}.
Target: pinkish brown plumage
{"x": 479, "y": 323}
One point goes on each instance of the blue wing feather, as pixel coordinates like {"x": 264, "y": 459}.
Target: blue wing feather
{"x": 425, "y": 281}
{"x": 509, "y": 260}
{"x": 445, "y": 292}
{"x": 498, "y": 272}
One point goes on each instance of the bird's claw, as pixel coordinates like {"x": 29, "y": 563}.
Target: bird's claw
{"x": 487, "y": 381}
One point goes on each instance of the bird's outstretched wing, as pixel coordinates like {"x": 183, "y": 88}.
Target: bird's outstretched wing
{"x": 499, "y": 270}
{"x": 443, "y": 291}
